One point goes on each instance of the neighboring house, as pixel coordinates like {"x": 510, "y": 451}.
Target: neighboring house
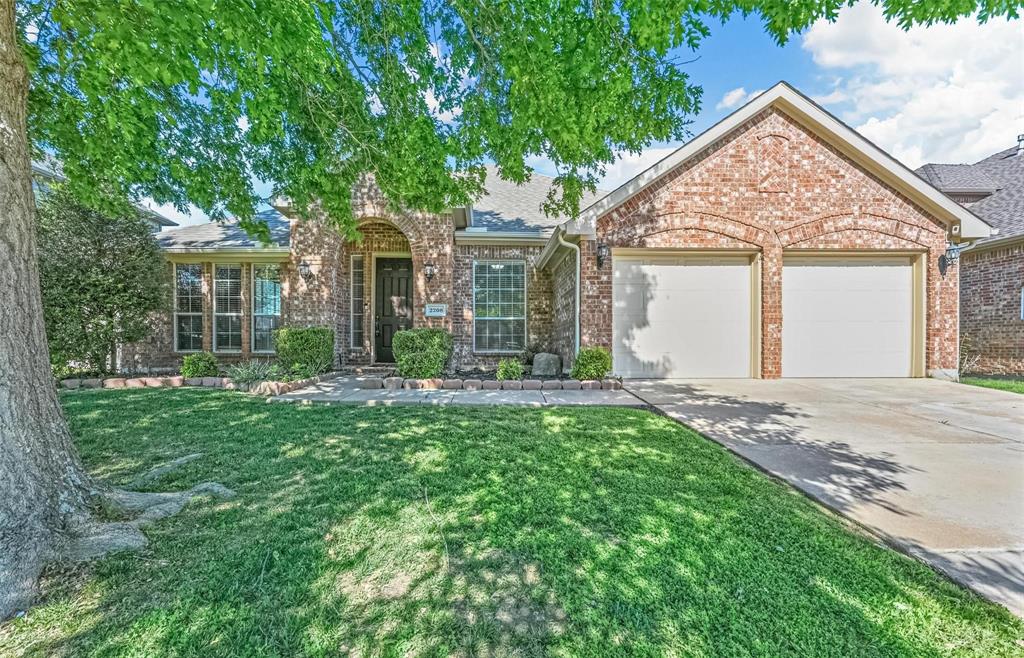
{"x": 44, "y": 174}
{"x": 992, "y": 269}
{"x": 777, "y": 243}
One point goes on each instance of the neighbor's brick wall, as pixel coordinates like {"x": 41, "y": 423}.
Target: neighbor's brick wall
{"x": 771, "y": 185}
{"x": 538, "y": 301}
{"x": 990, "y": 301}
{"x": 563, "y": 325}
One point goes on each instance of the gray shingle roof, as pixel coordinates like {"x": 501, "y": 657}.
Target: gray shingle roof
{"x": 505, "y": 206}
{"x": 226, "y": 235}
{"x": 1003, "y": 208}
{"x": 957, "y": 178}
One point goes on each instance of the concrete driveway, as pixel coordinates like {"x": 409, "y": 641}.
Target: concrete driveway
{"x": 935, "y": 467}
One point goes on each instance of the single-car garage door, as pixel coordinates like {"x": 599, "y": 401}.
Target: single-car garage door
{"x": 681, "y": 316}
{"x": 847, "y": 317}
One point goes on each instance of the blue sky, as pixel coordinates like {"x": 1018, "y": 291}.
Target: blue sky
{"x": 947, "y": 93}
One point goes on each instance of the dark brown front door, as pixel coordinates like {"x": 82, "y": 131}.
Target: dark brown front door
{"x": 393, "y": 304}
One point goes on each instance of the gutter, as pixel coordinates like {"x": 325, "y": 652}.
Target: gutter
{"x": 576, "y": 248}
{"x": 500, "y": 237}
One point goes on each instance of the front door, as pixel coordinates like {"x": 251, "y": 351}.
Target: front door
{"x": 393, "y": 304}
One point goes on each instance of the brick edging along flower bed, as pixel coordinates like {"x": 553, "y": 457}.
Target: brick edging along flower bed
{"x": 260, "y": 388}
{"x": 395, "y": 383}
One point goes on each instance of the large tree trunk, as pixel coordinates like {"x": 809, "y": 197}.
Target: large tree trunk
{"x": 43, "y": 489}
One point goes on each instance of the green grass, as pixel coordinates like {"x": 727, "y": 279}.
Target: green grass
{"x": 1002, "y": 384}
{"x": 476, "y": 532}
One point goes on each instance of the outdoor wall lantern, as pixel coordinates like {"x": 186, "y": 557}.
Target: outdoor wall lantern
{"x": 306, "y": 271}
{"x": 947, "y": 259}
{"x": 603, "y": 253}
{"x": 429, "y": 270}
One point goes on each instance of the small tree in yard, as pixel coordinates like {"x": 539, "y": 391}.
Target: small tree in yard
{"x": 192, "y": 101}
{"x": 101, "y": 277}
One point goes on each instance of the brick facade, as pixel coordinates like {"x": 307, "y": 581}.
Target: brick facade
{"x": 776, "y": 188}
{"x": 991, "y": 284}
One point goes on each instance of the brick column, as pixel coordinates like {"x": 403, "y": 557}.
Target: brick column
{"x": 771, "y": 312}
{"x": 247, "y": 306}
{"x": 207, "y": 269}
{"x": 595, "y": 298}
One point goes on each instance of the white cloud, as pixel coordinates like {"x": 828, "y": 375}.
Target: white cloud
{"x": 193, "y": 216}
{"x": 737, "y": 97}
{"x": 945, "y": 93}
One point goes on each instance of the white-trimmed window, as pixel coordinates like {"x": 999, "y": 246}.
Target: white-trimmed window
{"x": 188, "y": 307}
{"x": 266, "y": 306}
{"x": 227, "y": 308}
{"x": 499, "y": 306}
{"x": 357, "y": 280}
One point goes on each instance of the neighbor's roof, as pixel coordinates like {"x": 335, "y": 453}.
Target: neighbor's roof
{"x": 954, "y": 178}
{"x": 784, "y": 97}
{"x": 510, "y": 208}
{"x": 1003, "y": 207}
{"x": 226, "y": 235}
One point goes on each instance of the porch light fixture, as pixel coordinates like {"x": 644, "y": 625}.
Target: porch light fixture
{"x": 949, "y": 258}
{"x": 429, "y": 271}
{"x": 305, "y": 271}
{"x": 603, "y": 253}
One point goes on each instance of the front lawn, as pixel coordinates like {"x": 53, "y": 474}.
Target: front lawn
{"x": 1000, "y": 383}
{"x": 476, "y": 532}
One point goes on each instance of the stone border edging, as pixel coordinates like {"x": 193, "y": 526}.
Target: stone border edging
{"x": 438, "y": 384}
{"x": 260, "y": 388}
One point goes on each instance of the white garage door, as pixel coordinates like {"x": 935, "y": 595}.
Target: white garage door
{"x": 848, "y": 317}
{"x": 681, "y": 316}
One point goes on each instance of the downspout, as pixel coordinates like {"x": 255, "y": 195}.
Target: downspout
{"x": 579, "y": 276}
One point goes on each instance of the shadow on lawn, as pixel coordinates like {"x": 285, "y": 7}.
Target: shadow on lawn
{"x": 480, "y": 532}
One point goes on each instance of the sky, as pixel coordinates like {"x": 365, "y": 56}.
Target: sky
{"x": 946, "y": 93}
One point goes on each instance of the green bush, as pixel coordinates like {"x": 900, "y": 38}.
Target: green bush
{"x": 203, "y": 364}
{"x": 592, "y": 363}
{"x": 510, "y": 369}
{"x": 422, "y": 353}
{"x": 251, "y": 372}
{"x": 309, "y": 350}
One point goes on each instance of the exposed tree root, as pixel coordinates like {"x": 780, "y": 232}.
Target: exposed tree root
{"x": 93, "y": 540}
{"x": 163, "y": 469}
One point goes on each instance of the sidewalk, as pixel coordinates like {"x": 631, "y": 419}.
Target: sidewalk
{"x": 346, "y": 390}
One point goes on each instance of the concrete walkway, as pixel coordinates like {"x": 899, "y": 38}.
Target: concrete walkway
{"x": 936, "y": 468}
{"x": 345, "y": 390}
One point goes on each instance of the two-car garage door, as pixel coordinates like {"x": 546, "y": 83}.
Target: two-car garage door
{"x": 679, "y": 316}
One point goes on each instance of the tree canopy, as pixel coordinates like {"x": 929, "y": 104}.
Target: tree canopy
{"x": 196, "y": 100}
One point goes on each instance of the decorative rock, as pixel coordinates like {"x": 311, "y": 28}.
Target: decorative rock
{"x": 412, "y": 384}
{"x": 390, "y": 383}
{"x": 152, "y": 382}
{"x": 194, "y": 381}
{"x": 174, "y": 382}
{"x": 433, "y": 384}
{"x": 92, "y": 383}
{"x": 551, "y": 385}
{"x": 113, "y": 382}
{"x": 590, "y": 385}
{"x": 224, "y": 381}
{"x": 70, "y": 384}
{"x": 491, "y": 385}
{"x": 472, "y": 384}
{"x": 231, "y": 386}
{"x": 571, "y": 385}
{"x": 531, "y": 384}
{"x": 546, "y": 364}
{"x": 370, "y": 382}
{"x": 211, "y": 381}
{"x": 273, "y": 388}
{"x": 134, "y": 383}
{"x": 512, "y": 385}
{"x": 611, "y": 384}
{"x": 452, "y": 384}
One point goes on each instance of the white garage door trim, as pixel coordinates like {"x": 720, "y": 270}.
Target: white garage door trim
{"x": 657, "y": 335}
{"x": 873, "y": 326}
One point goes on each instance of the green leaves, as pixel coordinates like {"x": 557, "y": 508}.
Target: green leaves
{"x": 198, "y": 101}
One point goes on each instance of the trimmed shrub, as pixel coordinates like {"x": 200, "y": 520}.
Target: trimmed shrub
{"x": 202, "y": 364}
{"x": 592, "y": 363}
{"x": 510, "y": 369}
{"x": 306, "y": 350}
{"x": 251, "y": 372}
{"x": 422, "y": 353}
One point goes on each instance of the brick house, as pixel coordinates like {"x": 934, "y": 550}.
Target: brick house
{"x": 991, "y": 269}
{"x": 778, "y": 212}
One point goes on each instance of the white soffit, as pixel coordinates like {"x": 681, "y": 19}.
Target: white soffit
{"x": 817, "y": 119}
